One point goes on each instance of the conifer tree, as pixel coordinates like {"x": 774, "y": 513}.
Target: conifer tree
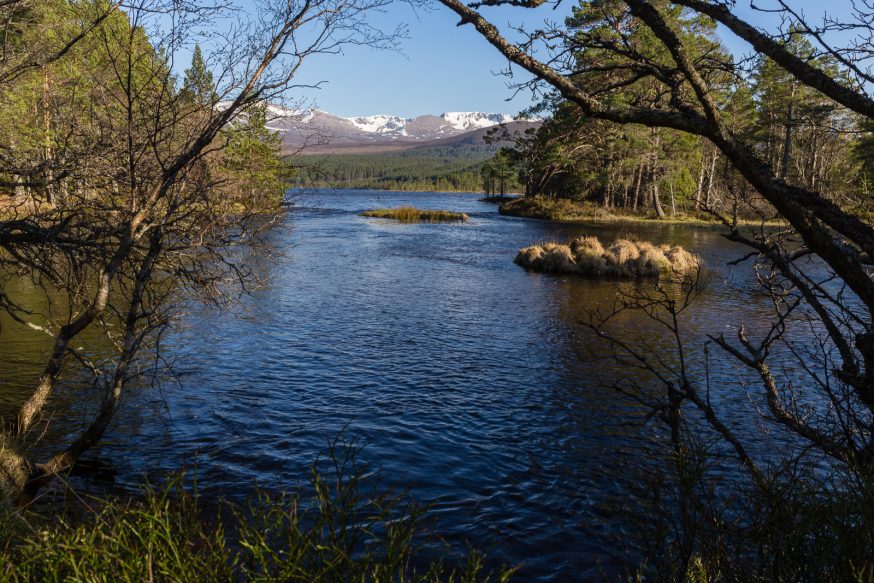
{"x": 198, "y": 84}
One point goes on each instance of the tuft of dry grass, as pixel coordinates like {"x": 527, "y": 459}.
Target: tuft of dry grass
{"x": 409, "y": 214}
{"x": 621, "y": 258}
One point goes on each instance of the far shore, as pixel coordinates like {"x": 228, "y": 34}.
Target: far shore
{"x": 435, "y": 191}
{"x": 562, "y": 210}
{"x": 574, "y": 212}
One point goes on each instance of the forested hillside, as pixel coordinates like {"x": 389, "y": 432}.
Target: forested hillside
{"x": 389, "y": 172}
{"x": 456, "y": 168}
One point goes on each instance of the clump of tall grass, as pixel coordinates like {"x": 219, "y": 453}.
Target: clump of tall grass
{"x": 409, "y": 214}
{"x": 348, "y": 529}
{"x": 621, "y": 258}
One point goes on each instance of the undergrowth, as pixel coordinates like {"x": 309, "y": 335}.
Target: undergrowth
{"x": 347, "y": 529}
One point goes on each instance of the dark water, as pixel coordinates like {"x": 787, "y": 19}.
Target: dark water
{"x": 467, "y": 378}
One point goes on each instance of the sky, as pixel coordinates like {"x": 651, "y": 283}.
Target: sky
{"x": 442, "y": 67}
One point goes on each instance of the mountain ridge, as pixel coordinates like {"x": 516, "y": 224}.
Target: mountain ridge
{"x": 319, "y": 132}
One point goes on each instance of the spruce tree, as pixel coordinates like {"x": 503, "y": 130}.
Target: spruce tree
{"x": 198, "y": 85}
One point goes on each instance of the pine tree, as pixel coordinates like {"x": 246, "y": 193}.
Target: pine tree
{"x": 253, "y": 162}
{"x": 198, "y": 85}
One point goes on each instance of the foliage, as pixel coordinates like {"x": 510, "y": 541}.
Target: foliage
{"x": 798, "y": 131}
{"x": 255, "y": 175}
{"x": 198, "y": 85}
{"x": 498, "y": 174}
{"x": 350, "y": 528}
{"x": 458, "y": 168}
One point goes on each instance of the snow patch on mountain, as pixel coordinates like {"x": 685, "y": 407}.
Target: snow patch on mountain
{"x": 380, "y": 124}
{"x": 447, "y": 123}
{"x": 422, "y": 127}
{"x": 474, "y": 120}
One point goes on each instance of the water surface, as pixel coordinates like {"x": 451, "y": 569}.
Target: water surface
{"x": 466, "y": 376}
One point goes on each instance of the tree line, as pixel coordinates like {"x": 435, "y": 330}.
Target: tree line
{"x": 462, "y": 168}
{"x": 801, "y": 135}
{"x": 389, "y": 172}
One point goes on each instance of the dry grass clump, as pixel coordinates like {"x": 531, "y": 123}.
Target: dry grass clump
{"x": 409, "y": 214}
{"x": 621, "y": 258}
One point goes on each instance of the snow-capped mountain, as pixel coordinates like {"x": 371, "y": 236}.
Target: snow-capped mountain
{"x": 322, "y": 131}
{"x": 454, "y": 121}
{"x": 466, "y": 120}
{"x": 380, "y": 124}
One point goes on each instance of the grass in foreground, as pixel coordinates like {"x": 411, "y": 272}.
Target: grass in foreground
{"x": 349, "y": 530}
{"x": 409, "y": 214}
{"x": 621, "y": 258}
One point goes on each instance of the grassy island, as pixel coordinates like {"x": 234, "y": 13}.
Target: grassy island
{"x": 621, "y": 258}
{"x": 409, "y": 214}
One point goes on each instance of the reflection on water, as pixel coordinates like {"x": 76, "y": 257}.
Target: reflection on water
{"x": 467, "y": 377}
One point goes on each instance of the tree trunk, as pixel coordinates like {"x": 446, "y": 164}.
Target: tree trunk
{"x": 709, "y": 191}
{"x": 657, "y": 203}
{"x": 638, "y": 185}
{"x": 654, "y": 176}
{"x": 47, "y": 138}
{"x": 787, "y": 145}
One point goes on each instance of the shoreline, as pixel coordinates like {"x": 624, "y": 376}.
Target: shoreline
{"x": 480, "y": 194}
{"x": 569, "y": 212}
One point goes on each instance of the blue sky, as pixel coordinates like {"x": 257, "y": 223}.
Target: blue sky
{"x": 443, "y": 67}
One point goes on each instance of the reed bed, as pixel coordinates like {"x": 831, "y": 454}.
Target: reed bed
{"x": 409, "y": 214}
{"x": 623, "y": 258}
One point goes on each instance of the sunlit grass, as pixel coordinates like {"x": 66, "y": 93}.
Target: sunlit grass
{"x": 350, "y": 528}
{"x": 409, "y": 214}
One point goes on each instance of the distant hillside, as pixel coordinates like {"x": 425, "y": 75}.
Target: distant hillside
{"x": 318, "y": 132}
{"x": 449, "y": 164}
{"x": 411, "y": 170}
